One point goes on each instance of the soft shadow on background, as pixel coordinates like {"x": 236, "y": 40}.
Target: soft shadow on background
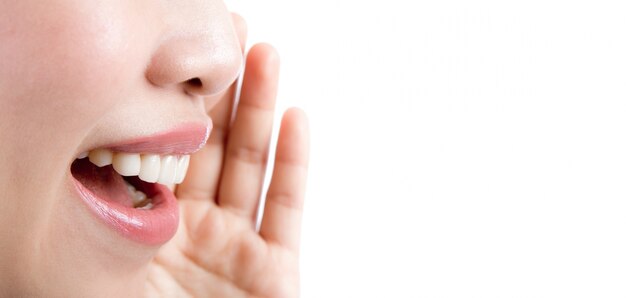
{"x": 460, "y": 148}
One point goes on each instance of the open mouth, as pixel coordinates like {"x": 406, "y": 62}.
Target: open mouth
{"x": 126, "y": 178}
{"x": 122, "y": 189}
{"x": 128, "y": 190}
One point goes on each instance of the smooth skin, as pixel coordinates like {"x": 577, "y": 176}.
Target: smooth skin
{"x": 77, "y": 75}
{"x": 217, "y": 251}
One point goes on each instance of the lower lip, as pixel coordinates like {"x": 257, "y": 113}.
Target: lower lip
{"x": 151, "y": 227}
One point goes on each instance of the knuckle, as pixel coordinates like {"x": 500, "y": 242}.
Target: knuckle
{"x": 249, "y": 154}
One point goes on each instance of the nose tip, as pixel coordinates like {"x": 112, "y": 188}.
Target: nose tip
{"x": 201, "y": 65}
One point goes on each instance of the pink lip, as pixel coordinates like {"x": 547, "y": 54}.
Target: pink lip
{"x": 157, "y": 225}
{"x": 151, "y": 227}
{"x": 184, "y": 139}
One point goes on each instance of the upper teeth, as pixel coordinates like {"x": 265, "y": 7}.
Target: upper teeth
{"x": 164, "y": 169}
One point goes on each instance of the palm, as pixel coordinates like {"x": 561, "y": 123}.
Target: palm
{"x": 217, "y": 251}
{"x": 217, "y": 254}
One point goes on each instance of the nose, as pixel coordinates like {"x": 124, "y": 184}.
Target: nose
{"x": 201, "y": 55}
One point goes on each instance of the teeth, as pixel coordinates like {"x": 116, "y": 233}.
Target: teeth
{"x": 163, "y": 169}
{"x": 168, "y": 169}
{"x": 146, "y": 206}
{"x": 127, "y": 164}
{"x": 101, "y": 157}
{"x": 181, "y": 169}
{"x": 150, "y": 168}
{"x": 139, "y": 198}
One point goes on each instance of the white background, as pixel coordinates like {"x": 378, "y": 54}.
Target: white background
{"x": 460, "y": 148}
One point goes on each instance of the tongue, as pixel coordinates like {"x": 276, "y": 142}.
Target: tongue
{"x": 104, "y": 182}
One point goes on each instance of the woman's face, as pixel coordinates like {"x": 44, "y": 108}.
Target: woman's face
{"x": 78, "y": 75}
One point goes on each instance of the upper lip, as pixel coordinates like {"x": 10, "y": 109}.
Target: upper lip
{"x": 182, "y": 139}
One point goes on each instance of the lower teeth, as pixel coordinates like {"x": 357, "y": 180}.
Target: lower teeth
{"x": 139, "y": 198}
{"x": 148, "y": 205}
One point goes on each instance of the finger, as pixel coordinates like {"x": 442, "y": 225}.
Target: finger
{"x": 283, "y": 206}
{"x": 205, "y": 165}
{"x": 248, "y": 143}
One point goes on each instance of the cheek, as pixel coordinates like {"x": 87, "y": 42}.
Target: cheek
{"x": 65, "y": 62}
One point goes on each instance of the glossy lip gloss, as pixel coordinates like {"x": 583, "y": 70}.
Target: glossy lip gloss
{"x": 157, "y": 225}
{"x": 151, "y": 227}
{"x": 182, "y": 140}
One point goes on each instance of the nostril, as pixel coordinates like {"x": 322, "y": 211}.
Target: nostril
{"x": 195, "y": 82}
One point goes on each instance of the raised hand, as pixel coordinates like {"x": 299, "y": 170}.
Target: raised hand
{"x": 217, "y": 251}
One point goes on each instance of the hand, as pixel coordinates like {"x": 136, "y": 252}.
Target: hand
{"x": 217, "y": 251}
